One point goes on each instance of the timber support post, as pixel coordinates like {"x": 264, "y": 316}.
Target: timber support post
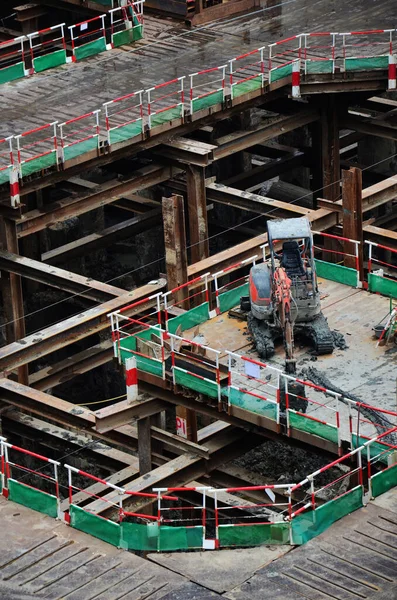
{"x": 197, "y": 213}
{"x": 352, "y": 189}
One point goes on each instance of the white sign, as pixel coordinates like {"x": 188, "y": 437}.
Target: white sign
{"x": 252, "y": 370}
{"x": 181, "y": 427}
{"x": 83, "y": 26}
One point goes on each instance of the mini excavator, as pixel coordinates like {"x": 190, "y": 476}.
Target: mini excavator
{"x": 284, "y": 297}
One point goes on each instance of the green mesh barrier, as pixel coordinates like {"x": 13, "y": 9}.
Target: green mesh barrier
{"x": 5, "y": 175}
{"x": 337, "y": 273}
{"x": 32, "y": 498}
{"x": 137, "y": 32}
{"x": 376, "y": 448}
{"x": 203, "y": 386}
{"x": 207, "y": 101}
{"x": 180, "y": 538}
{"x": 123, "y": 37}
{"x": 245, "y": 87}
{"x": 265, "y": 408}
{"x": 126, "y": 344}
{"x": 279, "y": 73}
{"x": 125, "y": 132}
{"x": 38, "y": 164}
{"x": 381, "y": 482}
{"x": 382, "y": 285}
{"x": 190, "y": 318}
{"x": 100, "y": 528}
{"x": 323, "y": 430}
{"x": 319, "y": 66}
{"x": 105, "y": 2}
{"x": 149, "y": 365}
{"x": 55, "y": 59}
{"x": 90, "y": 49}
{"x": 311, "y": 523}
{"x": 80, "y": 148}
{"x": 137, "y": 536}
{"x": 253, "y": 535}
{"x": 366, "y": 64}
{"x": 10, "y": 73}
{"x": 228, "y": 300}
{"x": 166, "y": 116}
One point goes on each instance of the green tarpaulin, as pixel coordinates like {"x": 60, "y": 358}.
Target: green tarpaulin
{"x": 33, "y": 498}
{"x": 90, "y": 49}
{"x": 55, "y": 59}
{"x": 338, "y": 273}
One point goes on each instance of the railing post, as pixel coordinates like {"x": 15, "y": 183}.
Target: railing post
{"x": 287, "y": 405}
{"x": 278, "y": 397}
{"x": 369, "y": 471}
{"x": 216, "y": 519}
{"x": 191, "y": 92}
{"x": 296, "y": 79}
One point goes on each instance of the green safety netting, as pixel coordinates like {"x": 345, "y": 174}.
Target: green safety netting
{"x": 32, "y": 498}
{"x": 279, "y": 73}
{"x": 190, "y": 318}
{"x": 313, "y": 522}
{"x": 376, "y": 448}
{"x": 80, "y": 148}
{"x": 265, "y": 408}
{"x": 319, "y": 66}
{"x": 54, "y": 59}
{"x": 365, "y": 64}
{"x": 11, "y": 73}
{"x": 303, "y": 423}
{"x": 180, "y": 538}
{"x": 126, "y": 344}
{"x": 104, "y": 2}
{"x": 245, "y": 87}
{"x": 149, "y": 365}
{"x": 208, "y": 100}
{"x": 5, "y": 175}
{"x": 337, "y": 273}
{"x": 228, "y": 300}
{"x": 125, "y": 132}
{"x": 382, "y": 285}
{"x": 97, "y": 526}
{"x": 127, "y": 36}
{"x": 203, "y": 386}
{"x": 253, "y": 535}
{"x": 138, "y": 536}
{"x": 38, "y": 164}
{"x": 383, "y": 481}
{"x": 166, "y": 116}
{"x": 90, "y": 49}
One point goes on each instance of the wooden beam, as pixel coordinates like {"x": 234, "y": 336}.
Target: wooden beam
{"x": 353, "y": 217}
{"x": 197, "y": 213}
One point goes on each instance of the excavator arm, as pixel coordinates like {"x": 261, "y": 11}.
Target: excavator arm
{"x": 282, "y": 306}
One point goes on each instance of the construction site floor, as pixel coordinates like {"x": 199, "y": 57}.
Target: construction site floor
{"x": 355, "y": 558}
{"x": 171, "y": 50}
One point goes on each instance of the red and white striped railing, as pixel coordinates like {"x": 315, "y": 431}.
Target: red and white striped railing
{"x": 207, "y": 84}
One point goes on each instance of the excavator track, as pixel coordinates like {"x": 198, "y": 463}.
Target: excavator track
{"x": 320, "y": 334}
{"x": 262, "y": 336}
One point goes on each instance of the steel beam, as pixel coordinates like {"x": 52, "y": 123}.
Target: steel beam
{"x": 104, "y": 238}
{"x": 258, "y": 175}
{"x": 73, "y": 329}
{"x": 197, "y": 213}
{"x": 330, "y": 148}
{"x": 123, "y": 412}
{"x": 374, "y": 127}
{"x": 58, "y": 278}
{"x": 36, "y": 220}
{"x": 186, "y": 151}
{"x": 353, "y": 217}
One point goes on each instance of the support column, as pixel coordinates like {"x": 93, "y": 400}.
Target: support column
{"x": 197, "y": 213}
{"x": 352, "y": 189}
{"x": 330, "y": 148}
{"x": 144, "y": 446}
{"x": 176, "y": 266}
{"x": 11, "y": 287}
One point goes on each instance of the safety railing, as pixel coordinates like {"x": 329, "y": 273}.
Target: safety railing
{"x": 313, "y": 409}
{"x": 88, "y": 38}
{"x": 318, "y": 52}
{"x": 37, "y": 149}
{"x": 184, "y": 518}
{"x": 165, "y": 102}
{"x": 207, "y": 88}
{"x": 194, "y": 293}
{"x": 30, "y": 479}
{"x": 253, "y": 386}
{"x": 228, "y": 295}
{"x": 6, "y": 158}
{"x": 124, "y": 118}
{"x": 336, "y": 262}
{"x": 282, "y": 56}
{"x": 196, "y": 367}
{"x": 382, "y": 269}
{"x": 126, "y": 23}
{"x": 79, "y": 136}
{"x": 247, "y": 72}
{"x": 366, "y": 50}
{"x": 12, "y": 59}
{"x": 47, "y": 48}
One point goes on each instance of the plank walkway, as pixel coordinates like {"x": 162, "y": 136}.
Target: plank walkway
{"x": 170, "y": 50}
